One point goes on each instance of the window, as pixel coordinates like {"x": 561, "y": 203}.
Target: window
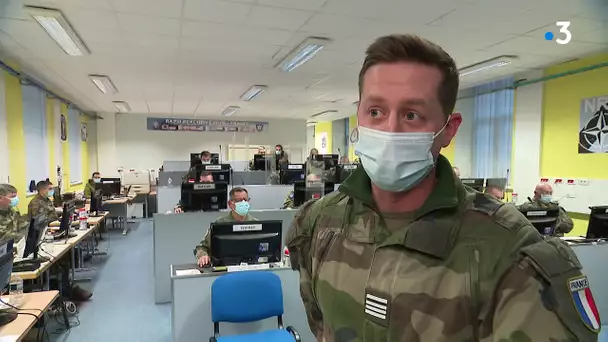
{"x": 35, "y": 135}
{"x": 74, "y": 146}
{"x": 245, "y": 152}
{"x": 493, "y": 129}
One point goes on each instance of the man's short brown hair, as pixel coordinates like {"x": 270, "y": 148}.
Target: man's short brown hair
{"x": 205, "y": 154}
{"x": 411, "y": 48}
{"x": 237, "y": 189}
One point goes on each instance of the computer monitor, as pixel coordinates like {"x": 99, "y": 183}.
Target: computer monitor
{"x": 475, "y": 183}
{"x": 204, "y": 196}
{"x": 108, "y": 186}
{"x": 330, "y": 160}
{"x": 66, "y": 220}
{"x": 598, "y": 223}
{"x": 220, "y": 172}
{"x": 215, "y": 158}
{"x": 544, "y": 220}
{"x": 35, "y": 233}
{"x": 303, "y": 192}
{"x": 261, "y": 162}
{"x": 251, "y": 242}
{"x": 7, "y": 315}
{"x": 293, "y": 173}
{"x": 96, "y": 202}
{"x": 344, "y": 171}
{"x": 57, "y": 199}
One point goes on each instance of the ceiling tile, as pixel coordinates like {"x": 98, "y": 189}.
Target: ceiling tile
{"x": 223, "y": 33}
{"x": 525, "y": 45}
{"x": 92, "y": 4}
{"x": 216, "y": 11}
{"x": 82, "y": 17}
{"x": 184, "y": 107}
{"x": 308, "y": 5}
{"x": 159, "y": 107}
{"x": 147, "y": 24}
{"x": 277, "y": 18}
{"x": 334, "y": 26}
{"x": 359, "y": 8}
{"x": 159, "y": 8}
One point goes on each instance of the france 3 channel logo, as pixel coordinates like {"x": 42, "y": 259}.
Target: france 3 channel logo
{"x": 564, "y": 35}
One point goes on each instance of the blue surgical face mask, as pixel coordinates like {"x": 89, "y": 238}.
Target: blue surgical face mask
{"x": 241, "y": 208}
{"x": 277, "y": 152}
{"x": 546, "y": 198}
{"x": 395, "y": 161}
{"x": 14, "y": 201}
{"x": 51, "y": 193}
{"x": 97, "y": 180}
{"x": 205, "y": 162}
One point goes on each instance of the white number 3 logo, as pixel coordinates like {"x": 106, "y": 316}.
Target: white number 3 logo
{"x": 564, "y": 25}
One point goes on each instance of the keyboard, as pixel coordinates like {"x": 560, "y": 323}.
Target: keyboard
{"x": 248, "y": 267}
{"x": 26, "y": 265}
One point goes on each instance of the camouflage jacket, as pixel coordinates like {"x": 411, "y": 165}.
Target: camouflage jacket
{"x": 564, "y": 222}
{"x": 13, "y": 225}
{"x": 89, "y": 189}
{"x": 463, "y": 267}
{"x": 42, "y": 207}
{"x": 288, "y": 203}
{"x": 204, "y": 247}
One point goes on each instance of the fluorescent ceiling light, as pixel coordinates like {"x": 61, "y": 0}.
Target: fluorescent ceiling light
{"x": 104, "y": 83}
{"x": 122, "y": 106}
{"x": 324, "y": 113}
{"x": 57, "y": 26}
{"x": 253, "y": 92}
{"x": 487, "y": 65}
{"x": 303, "y": 53}
{"x": 230, "y": 111}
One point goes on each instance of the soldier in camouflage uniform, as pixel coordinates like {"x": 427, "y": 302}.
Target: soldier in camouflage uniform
{"x": 13, "y": 225}
{"x": 41, "y": 205}
{"x": 239, "y": 205}
{"x": 543, "y": 199}
{"x": 404, "y": 252}
{"x": 288, "y": 203}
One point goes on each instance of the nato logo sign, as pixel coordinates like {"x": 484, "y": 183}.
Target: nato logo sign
{"x": 593, "y": 126}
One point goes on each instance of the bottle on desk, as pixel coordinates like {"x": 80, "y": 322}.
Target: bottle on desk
{"x": 286, "y": 260}
{"x": 82, "y": 217}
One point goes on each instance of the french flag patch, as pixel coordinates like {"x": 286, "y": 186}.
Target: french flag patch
{"x": 584, "y": 302}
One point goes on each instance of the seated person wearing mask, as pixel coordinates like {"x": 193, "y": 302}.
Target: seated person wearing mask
{"x": 205, "y": 157}
{"x": 239, "y": 205}
{"x": 13, "y": 225}
{"x": 543, "y": 199}
{"x": 310, "y": 178}
{"x": 89, "y": 188}
{"x": 205, "y": 177}
{"x": 41, "y": 204}
{"x": 495, "y": 192}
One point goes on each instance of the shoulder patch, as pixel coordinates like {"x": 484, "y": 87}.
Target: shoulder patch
{"x": 583, "y": 302}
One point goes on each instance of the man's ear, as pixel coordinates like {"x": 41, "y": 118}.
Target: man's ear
{"x": 451, "y": 129}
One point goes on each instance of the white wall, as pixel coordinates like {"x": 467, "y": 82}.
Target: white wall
{"x": 310, "y": 138}
{"x": 123, "y": 140}
{"x": 338, "y": 129}
{"x": 92, "y": 145}
{"x": 525, "y": 165}
{"x": 463, "y": 150}
{"x": 4, "y": 159}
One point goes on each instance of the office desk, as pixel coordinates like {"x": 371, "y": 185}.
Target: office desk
{"x": 191, "y": 306}
{"x": 176, "y": 235}
{"x": 36, "y": 303}
{"x": 118, "y": 208}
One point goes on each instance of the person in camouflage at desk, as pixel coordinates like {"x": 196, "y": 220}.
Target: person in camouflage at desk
{"x": 310, "y": 178}
{"x": 13, "y": 225}
{"x": 543, "y": 199}
{"x": 41, "y": 205}
{"x": 403, "y": 251}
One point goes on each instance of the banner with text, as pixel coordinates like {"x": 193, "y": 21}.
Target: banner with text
{"x": 204, "y": 125}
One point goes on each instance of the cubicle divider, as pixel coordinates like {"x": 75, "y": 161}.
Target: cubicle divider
{"x": 191, "y": 307}
{"x": 176, "y": 235}
{"x": 592, "y": 257}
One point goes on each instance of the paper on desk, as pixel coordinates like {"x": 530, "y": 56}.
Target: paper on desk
{"x": 10, "y": 338}
{"x": 184, "y": 272}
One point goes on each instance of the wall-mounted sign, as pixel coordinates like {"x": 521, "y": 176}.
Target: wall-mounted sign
{"x": 593, "y": 126}
{"x": 203, "y": 125}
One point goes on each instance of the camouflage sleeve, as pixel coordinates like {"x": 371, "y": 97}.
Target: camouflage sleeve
{"x": 87, "y": 191}
{"x": 564, "y": 223}
{"x": 298, "y": 241}
{"x": 543, "y": 296}
{"x": 288, "y": 203}
{"x": 204, "y": 247}
{"x": 13, "y": 226}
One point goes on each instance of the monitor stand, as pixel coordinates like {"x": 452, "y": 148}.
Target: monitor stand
{"x": 7, "y": 316}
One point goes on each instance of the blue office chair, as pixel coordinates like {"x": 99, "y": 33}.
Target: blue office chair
{"x": 249, "y": 296}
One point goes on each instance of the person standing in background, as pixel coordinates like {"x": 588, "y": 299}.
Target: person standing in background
{"x": 282, "y": 157}
{"x": 543, "y": 199}
{"x": 89, "y": 188}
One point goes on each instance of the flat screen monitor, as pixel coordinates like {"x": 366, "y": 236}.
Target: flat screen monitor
{"x": 204, "y": 196}
{"x": 251, "y": 242}
{"x": 66, "y": 219}
{"x": 293, "y": 173}
{"x": 261, "y": 162}
{"x": 303, "y": 191}
{"x": 598, "y": 223}
{"x": 544, "y": 220}
{"x": 215, "y": 158}
{"x": 475, "y": 183}
{"x": 96, "y": 202}
{"x": 220, "y": 172}
{"x": 330, "y": 160}
{"x": 7, "y": 315}
{"x": 108, "y": 186}
{"x": 35, "y": 233}
{"x": 344, "y": 171}
{"x": 57, "y": 198}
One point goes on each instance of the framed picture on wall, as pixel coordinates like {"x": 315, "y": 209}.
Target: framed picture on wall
{"x": 64, "y": 133}
{"x": 83, "y": 131}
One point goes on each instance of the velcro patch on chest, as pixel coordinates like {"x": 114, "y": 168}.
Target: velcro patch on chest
{"x": 377, "y": 308}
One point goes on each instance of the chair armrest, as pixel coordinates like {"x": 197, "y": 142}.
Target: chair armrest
{"x": 293, "y": 333}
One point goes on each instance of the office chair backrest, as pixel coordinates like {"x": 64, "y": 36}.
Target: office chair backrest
{"x": 246, "y": 296}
